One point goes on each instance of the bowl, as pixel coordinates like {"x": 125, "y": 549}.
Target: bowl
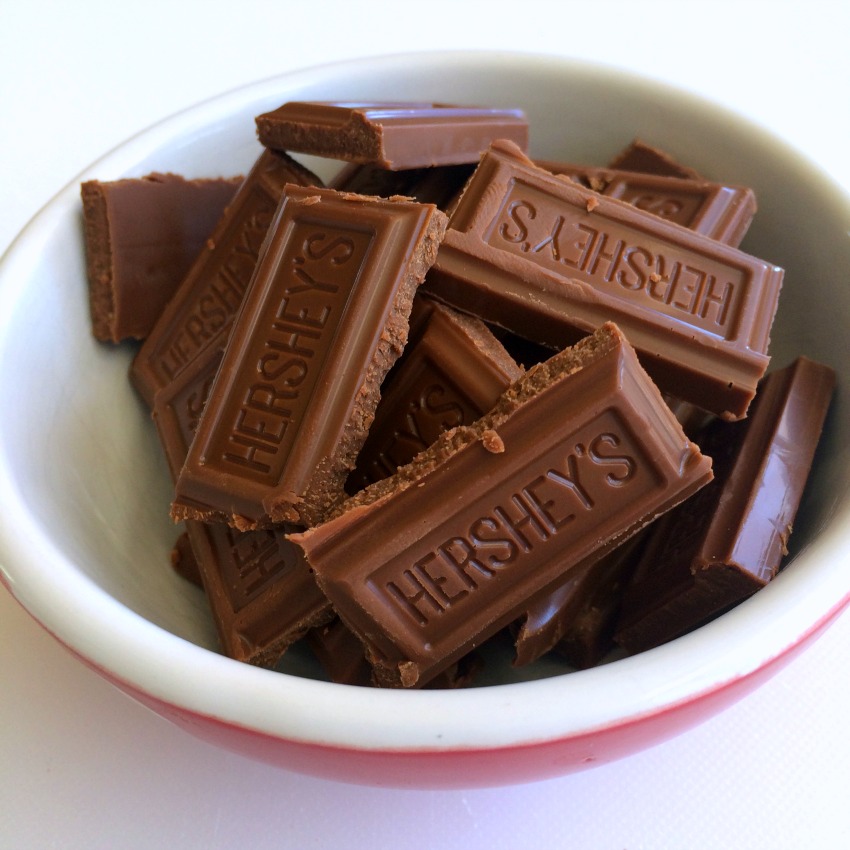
{"x": 84, "y": 530}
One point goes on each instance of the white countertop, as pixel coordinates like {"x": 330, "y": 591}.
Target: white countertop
{"x": 83, "y": 766}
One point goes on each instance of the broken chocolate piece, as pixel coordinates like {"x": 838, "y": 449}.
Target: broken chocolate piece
{"x": 141, "y": 237}
{"x": 324, "y": 319}
{"x": 439, "y": 185}
{"x": 343, "y": 658}
{"x": 178, "y": 406}
{"x": 260, "y": 588}
{"x": 452, "y": 372}
{"x": 391, "y": 135}
{"x": 427, "y": 564}
{"x": 729, "y": 540}
{"x": 640, "y": 156}
{"x": 262, "y": 594}
{"x": 524, "y": 252}
{"x": 712, "y": 209}
{"x": 184, "y": 562}
{"x": 201, "y": 312}
{"x": 577, "y": 619}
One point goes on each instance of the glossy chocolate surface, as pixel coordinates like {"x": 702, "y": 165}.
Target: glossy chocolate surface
{"x": 391, "y": 135}
{"x": 649, "y": 159}
{"x": 452, "y": 371}
{"x": 262, "y": 594}
{"x": 426, "y": 565}
{"x": 712, "y": 209}
{"x": 729, "y": 540}
{"x": 201, "y": 312}
{"x": 550, "y": 260}
{"x": 578, "y": 618}
{"x": 260, "y": 588}
{"x": 324, "y": 319}
{"x": 142, "y": 236}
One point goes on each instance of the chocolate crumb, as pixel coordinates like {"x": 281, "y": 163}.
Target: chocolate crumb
{"x": 492, "y": 441}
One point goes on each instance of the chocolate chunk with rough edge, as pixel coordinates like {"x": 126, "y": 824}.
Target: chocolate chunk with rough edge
{"x": 528, "y": 251}
{"x": 325, "y": 317}
{"x": 427, "y": 564}
{"x": 452, "y": 371}
{"x": 201, "y": 312}
{"x": 729, "y": 540}
{"x": 141, "y": 237}
{"x": 715, "y": 210}
{"x": 391, "y": 135}
{"x": 646, "y": 158}
{"x": 439, "y": 185}
{"x": 262, "y": 594}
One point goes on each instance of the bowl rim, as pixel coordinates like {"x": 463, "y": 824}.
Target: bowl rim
{"x": 116, "y": 639}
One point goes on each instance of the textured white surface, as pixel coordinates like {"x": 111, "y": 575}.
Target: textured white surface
{"x": 82, "y": 766}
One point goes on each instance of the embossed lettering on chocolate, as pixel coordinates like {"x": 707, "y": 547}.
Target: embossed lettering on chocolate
{"x": 550, "y": 260}
{"x": 201, "y": 312}
{"x": 425, "y": 565}
{"x": 452, "y": 372}
{"x": 391, "y": 135}
{"x": 261, "y": 592}
{"x": 713, "y": 209}
{"x": 324, "y": 318}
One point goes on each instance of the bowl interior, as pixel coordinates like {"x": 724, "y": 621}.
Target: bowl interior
{"x": 82, "y": 474}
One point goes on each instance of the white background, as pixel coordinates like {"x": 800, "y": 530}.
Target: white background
{"x": 83, "y": 766}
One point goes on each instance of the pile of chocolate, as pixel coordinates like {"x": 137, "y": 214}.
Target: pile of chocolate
{"x": 456, "y": 393}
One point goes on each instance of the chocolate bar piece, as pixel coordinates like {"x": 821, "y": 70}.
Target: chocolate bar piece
{"x": 324, "y": 319}
{"x": 141, "y": 237}
{"x": 340, "y": 654}
{"x": 342, "y": 657}
{"x": 439, "y": 185}
{"x": 260, "y": 588}
{"x": 201, "y": 312}
{"x": 578, "y": 618}
{"x": 426, "y": 564}
{"x": 550, "y": 260}
{"x": 184, "y": 562}
{"x": 729, "y": 540}
{"x": 712, "y": 209}
{"x": 178, "y": 406}
{"x": 391, "y": 135}
{"x": 262, "y": 594}
{"x": 641, "y": 156}
{"x": 452, "y": 371}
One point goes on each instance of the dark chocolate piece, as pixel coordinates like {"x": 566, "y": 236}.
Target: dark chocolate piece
{"x": 548, "y": 259}
{"x": 729, "y": 540}
{"x": 391, "y": 135}
{"x": 324, "y": 319}
{"x": 450, "y": 374}
{"x": 712, "y": 209}
{"x": 202, "y": 310}
{"x": 439, "y": 185}
{"x": 429, "y": 563}
{"x": 142, "y": 236}
{"x": 643, "y": 157}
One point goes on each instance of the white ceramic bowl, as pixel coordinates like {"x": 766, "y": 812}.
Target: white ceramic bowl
{"x": 84, "y": 531}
